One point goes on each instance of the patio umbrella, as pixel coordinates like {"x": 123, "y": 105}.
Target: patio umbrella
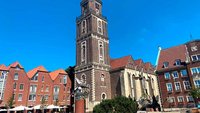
{"x": 27, "y": 108}
{"x": 37, "y": 107}
{"x": 3, "y": 109}
{"x": 52, "y": 107}
{"x": 19, "y": 108}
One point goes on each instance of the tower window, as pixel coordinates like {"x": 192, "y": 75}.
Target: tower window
{"x": 99, "y": 26}
{"x": 102, "y": 80}
{"x": 83, "y": 52}
{"x": 83, "y": 78}
{"x": 84, "y": 27}
{"x": 103, "y": 96}
{"x": 101, "y": 52}
{"x": 97, "y": 6}
{"x": 85, "y": 8}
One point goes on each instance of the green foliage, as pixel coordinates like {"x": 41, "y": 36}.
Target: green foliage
{"x": 195, "y": 93}
{"x": 43, "y": 102}
{"x": 119, "y": 104}
{"x": 71, "y": 72}
{"x": 10, "y": 102}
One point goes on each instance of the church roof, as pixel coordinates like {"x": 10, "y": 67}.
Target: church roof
{"x": 55, "y": 74}
{"x": 31, "y": 73}
{"x": 120, "y": 62}
{"x": 138, "y": 62}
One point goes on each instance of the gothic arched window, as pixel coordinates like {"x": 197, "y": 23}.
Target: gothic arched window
{"x": 83, "y": 52}
{"x": 99, "y": 26}
{"x": 83, "y": 78}
{"x": 103, "y": 96}
{"x": 102, "y": 80}
{"x": 84, "y": 27}
{"x": 101, "y": 52}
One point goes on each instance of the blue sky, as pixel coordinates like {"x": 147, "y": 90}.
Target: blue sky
{"x": 42, "y": 32}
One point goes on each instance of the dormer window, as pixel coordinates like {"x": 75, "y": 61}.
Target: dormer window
{"x": 35, "y": 78}
{"x": 178, "y": 62}
{"x": 17, "y": 68}
{"x": 166, "y": 64}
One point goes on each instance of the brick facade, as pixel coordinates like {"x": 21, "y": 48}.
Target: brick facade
{"x": 92, "y": 52}
{"x": 179, "y": 60}
{"x": 19, "y": 84}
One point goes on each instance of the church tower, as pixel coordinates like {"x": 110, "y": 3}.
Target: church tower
{"x": 92, "y": 52}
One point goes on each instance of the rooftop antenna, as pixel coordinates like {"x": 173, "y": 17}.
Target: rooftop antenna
{"x": 191, "y": 37}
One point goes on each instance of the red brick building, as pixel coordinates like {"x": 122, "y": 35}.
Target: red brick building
{"x": 29, "y": 88}
{"x": 178, "y": 71}
{"x": 17, "y": 85}
{"x": 61, "y": 87}
{"x": 193, "y": 66}
{"x": 41, "y": 86}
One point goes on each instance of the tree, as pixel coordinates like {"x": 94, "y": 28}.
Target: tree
{"x": 119, "y": 104}
{"x": 56, "y": 102}
{"x": 195, "y": 93}
{"x": 43, "y": 102}
{"x": 71, "y": 72}
{"x": 10, "y": 102}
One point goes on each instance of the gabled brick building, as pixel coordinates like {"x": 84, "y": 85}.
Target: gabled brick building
{"x": 41, "y": 86}
{"x": 178, "y": 71}
{"x": 61, "y": 87}
{"x": 29, "y": 88}
{"x": 16, "y": 85}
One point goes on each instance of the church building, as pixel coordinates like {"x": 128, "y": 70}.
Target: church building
{"x": 107, "y": 78}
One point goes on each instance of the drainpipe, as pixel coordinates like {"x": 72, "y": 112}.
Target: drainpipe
{"x": 158, "y": 82}
{"x": 159, "y": 50}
